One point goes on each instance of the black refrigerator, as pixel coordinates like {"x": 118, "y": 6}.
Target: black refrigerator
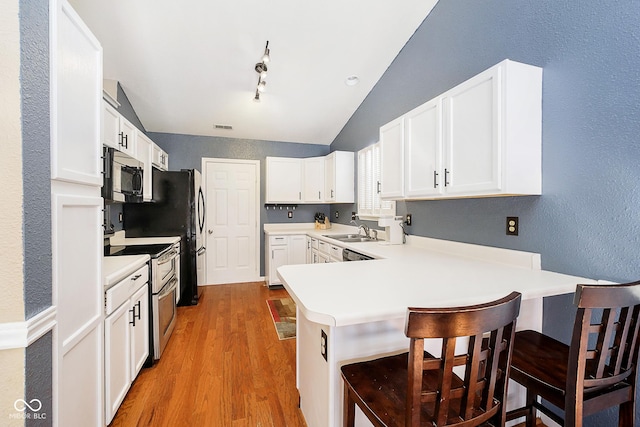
{"x": 178, "y": 209}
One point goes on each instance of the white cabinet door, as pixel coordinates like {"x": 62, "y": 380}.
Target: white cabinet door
{"x": 144, "y": 149}
{"x": 160, "y": 158}
{"x": 139, "y": 312}
{"x": 423, "y": 150}
{"x": 314, "y": 179}
{"x": 279, "y": 256}
{"x": 284, "y": 180}
{"x": 76, "y": 92}
{"x": 298, "y": 249}
{"x": 339, "y": 177}
{"x": 392, "y": 159}
{"x": 110, "y": 126}
{"x": 472, "y": 157}
{"x": 128, "y": 133}
{"x": 309, "y": 251}
{"x": 117, "y": 367}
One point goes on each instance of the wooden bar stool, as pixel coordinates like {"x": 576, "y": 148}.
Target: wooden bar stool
{"x": 595, "y": 372}
{"x": 418, "y": 389}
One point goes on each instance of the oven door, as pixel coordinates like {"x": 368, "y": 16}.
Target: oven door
{"x": 164, "y": 269}
{"x": 164, "y": 316}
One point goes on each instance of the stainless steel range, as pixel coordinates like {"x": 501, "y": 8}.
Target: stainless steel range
{"x": 164, "y": 284}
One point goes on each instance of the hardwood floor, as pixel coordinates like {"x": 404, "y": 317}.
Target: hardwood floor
{"x": 224, "y": 366}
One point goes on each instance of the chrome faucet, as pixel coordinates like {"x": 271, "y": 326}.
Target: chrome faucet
{"x": 364, "y": 227}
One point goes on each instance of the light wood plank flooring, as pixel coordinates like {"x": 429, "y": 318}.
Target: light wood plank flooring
{"x": 224, "y": 366}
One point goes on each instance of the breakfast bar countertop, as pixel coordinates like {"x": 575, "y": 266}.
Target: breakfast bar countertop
{"x": 426, "y": 272}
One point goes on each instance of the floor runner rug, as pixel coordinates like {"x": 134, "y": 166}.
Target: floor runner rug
{"x": 283, "y": 313}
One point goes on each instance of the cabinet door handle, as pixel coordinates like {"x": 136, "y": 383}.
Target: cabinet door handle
{"x": 446, "y": 177}
{"x": 378, "y": 187}
{"x": 133, "y": 317}
{"x": 299, "y": 195}
{"x": 121, "y": 142}
{"x": 332, "y": 194}
{"x": 134, "y": 311}
{"x": 318, "y": 195}
{"x": 435, "y": 179}
{"x": 136, "y": 277}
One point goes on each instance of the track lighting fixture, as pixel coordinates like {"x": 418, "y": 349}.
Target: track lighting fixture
{"x": 261, "y": 69}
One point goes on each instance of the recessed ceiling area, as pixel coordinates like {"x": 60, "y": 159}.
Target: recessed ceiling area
{"x": 186, "y": 66}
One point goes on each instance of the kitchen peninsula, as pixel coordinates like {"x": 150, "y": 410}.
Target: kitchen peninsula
{"x": 354, "y": 310}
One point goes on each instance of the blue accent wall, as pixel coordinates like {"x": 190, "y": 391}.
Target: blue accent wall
{"x": 586, "y": 222}
{"x": 36, "y": 143}
{"x": 187, "y": 151}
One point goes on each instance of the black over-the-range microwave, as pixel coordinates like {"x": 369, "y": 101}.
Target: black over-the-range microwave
{"x": 122, "y": 180}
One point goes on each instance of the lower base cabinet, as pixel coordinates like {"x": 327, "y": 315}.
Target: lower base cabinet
{"x": 126, "y": 337}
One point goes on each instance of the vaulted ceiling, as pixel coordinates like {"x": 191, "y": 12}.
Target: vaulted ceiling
{"x": 188, "y": 66}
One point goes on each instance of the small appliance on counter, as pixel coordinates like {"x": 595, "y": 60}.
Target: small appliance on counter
{"x": 393, "y": 229}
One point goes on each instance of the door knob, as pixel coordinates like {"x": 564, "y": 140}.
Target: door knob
{"x": 210, "y": 231}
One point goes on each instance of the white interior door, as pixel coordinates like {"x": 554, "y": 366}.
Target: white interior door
{"x": 232, "y": 194}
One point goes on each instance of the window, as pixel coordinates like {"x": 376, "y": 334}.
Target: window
{"x": 370, "y": 206}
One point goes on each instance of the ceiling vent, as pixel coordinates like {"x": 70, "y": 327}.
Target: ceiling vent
{"x": 223, "y": 127}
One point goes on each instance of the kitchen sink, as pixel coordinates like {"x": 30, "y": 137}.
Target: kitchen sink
{"x": 350, "y": 238}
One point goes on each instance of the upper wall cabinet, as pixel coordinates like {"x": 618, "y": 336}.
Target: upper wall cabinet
{"x": 314, "y": 180}
{"x": 284, "y": 180}
{"x": 118, "y": 132}
{"x": 479, "y": 139}
{"x": 339, "y": 177}
{"x": 76, "y": 91}
{"x": 327, "y": 179}
{"x": 160, "y": 158}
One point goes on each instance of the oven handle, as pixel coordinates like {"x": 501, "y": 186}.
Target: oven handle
{"x": 167, "y": 257}
{"x": 168, "y": 288}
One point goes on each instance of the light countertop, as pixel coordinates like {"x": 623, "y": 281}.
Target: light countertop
{"x": 425, "y": 272}
{"x": 119, "y": 239}
{"x": 115, "y": 268}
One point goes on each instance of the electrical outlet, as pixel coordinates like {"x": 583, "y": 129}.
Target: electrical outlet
{"x": 337, "y": 214}
{"x": 353, "y": 216}
{"x": 323, "y": 344}
{"x": 512, "y": 226}
{"x": 408, "y": 220}
{"x": 120, "y": 217}
{"x": 290, "y": 214}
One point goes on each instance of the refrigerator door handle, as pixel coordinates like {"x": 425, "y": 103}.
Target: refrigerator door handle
{"x": 201, "y": 215}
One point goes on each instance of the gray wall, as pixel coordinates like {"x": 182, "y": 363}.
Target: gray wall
{"x": 35, "y": 110}
{"x": 187, "y": 151}
{"x": 586, "y": 222}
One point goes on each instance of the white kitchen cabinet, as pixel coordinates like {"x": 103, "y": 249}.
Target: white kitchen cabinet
{"x": 480, "y": 139}
{"x": 76, "y": 220}
{"x": 339, "y": 177}
{"x": 139, "y": 330}
{"x": 118, "y": 132}
{"x": 117, "y": 341}
{"x": 298, "y": 249}
{"x": 392, "y": 159}
{"x": 126, "y": 337}
{"x": 309, "y": 252}
{"x": 284, "y": 250}
{"x": 314, "y": 171}
{"x": 327, "y": 179}
{"x": 284, "y": 180}
{"x": 423, "y": 150}
{"x": 144, "y": 150}
{"x": 110, "y": 126}
{"x": 160, "y": 158}
{"x": 370, "y": 205}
